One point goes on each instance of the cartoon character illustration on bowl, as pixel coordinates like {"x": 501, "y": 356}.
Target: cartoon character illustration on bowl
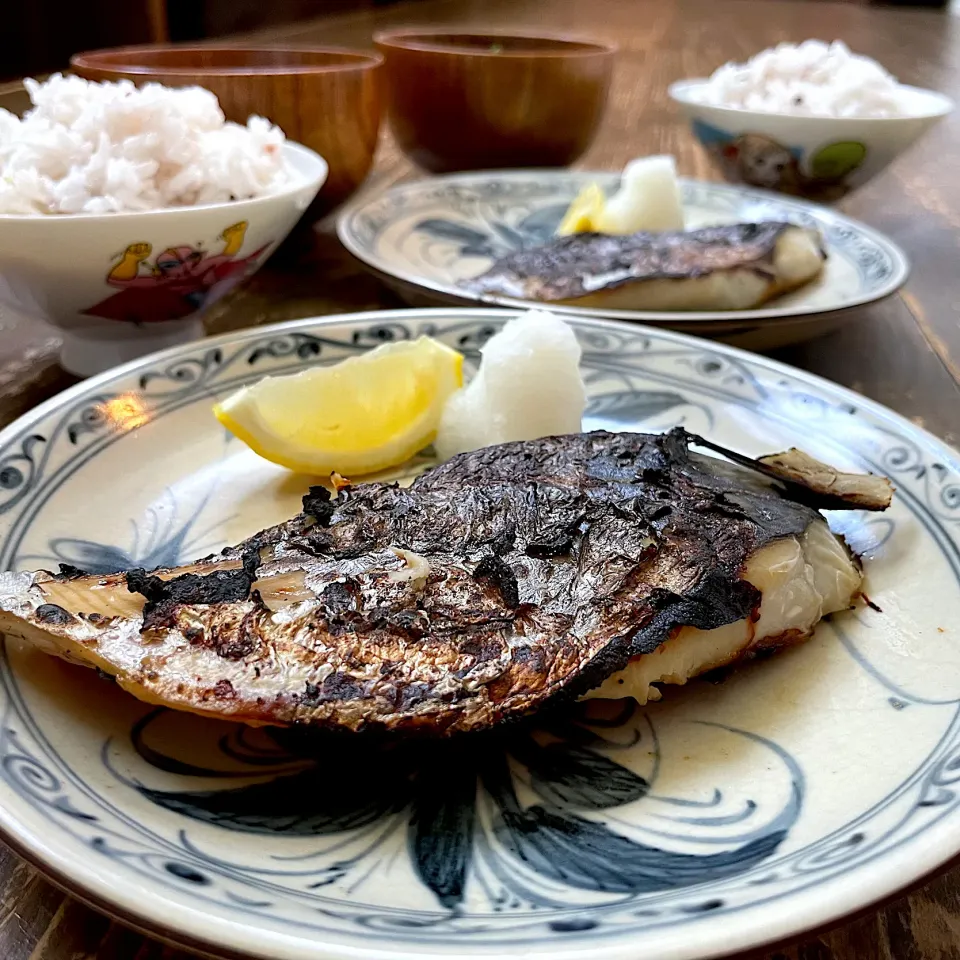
{"x": 180, "y": 281}
{"x": 761, "y": 161}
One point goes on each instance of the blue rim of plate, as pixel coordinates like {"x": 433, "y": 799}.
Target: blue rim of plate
{"x": 877, "y": 253}
{"x": 925, "y": 856}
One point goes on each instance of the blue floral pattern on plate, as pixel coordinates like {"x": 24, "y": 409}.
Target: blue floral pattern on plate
{"x": 607, "y": 823}
{"x": 540, "y": 856}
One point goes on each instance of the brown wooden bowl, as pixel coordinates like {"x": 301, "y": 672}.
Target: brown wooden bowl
{"x": 469, "y": 101}
{"x": 325, "y": 98}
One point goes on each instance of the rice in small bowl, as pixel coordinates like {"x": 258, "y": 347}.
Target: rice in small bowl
{"x": 811, "y": 119}
{"x": 125, "y": 211}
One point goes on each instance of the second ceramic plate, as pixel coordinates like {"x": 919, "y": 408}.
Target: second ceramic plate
{"x": 426, "y": 237}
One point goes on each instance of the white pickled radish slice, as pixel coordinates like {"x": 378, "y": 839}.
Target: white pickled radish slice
{"x": 648, "y": 199}
{"x": 528, "y": 386}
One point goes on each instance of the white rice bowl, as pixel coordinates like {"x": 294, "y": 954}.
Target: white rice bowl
{"x": 809, "y": 79}
{"x": 102, "y": 148}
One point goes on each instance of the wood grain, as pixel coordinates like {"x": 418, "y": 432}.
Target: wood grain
{"x": 158, "y": 19}
{"x": 904, "y": 352}
{"x": 491, "y": 101}
{"x": 328, "y": 100}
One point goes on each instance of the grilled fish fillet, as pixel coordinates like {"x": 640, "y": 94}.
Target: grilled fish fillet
{"x": 734, "y": 267}
{"x": 502, "y": 581}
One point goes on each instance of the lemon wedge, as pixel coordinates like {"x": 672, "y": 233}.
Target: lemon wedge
{"x": 584, "y": 212}
{"x": 359, "y": 416}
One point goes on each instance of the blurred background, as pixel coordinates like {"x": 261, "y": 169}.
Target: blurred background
{"x": 29, "y": 46}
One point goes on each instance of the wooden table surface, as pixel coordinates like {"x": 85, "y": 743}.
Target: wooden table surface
{"x": 904, "y": 352}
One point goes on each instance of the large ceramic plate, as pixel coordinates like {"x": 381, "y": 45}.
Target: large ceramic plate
{"x": 725, "y": 817}
{"x": 427, "y": 236}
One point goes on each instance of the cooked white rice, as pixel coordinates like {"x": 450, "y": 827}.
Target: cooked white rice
{"x": 812, "y": 78}
{"x": 108, "y": 147}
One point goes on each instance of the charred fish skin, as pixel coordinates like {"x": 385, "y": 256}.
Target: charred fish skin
{"x": 592, "y": 268}
{"x": 498, "y": 584}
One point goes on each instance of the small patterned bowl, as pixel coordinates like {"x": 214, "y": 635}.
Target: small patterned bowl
{"x": 821, "y": 158}
{"x": 121, "y": 285}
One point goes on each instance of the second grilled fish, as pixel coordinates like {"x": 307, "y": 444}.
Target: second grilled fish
{"x": 734, "y": 267}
